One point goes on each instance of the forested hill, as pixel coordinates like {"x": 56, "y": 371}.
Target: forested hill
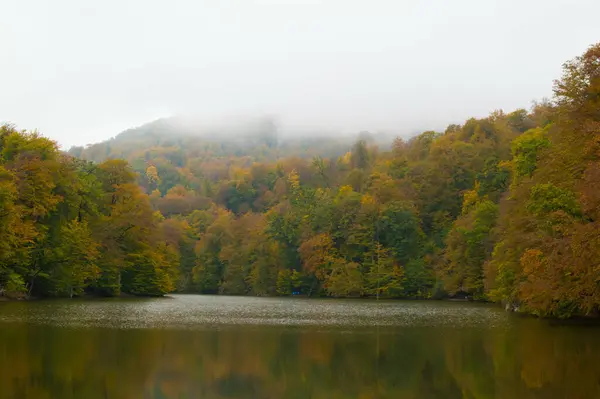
{"x": 185, "y": 151}
{"x": 177, "y": 140}
{"x": 504, "y": 208}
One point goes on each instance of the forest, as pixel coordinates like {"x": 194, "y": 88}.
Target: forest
{"x": 504, "y": 208}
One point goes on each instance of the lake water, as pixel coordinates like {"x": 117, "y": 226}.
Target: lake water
{"x": 189, "y": 346}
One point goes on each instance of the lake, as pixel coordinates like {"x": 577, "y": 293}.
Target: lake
{"x": 190, "y": 346}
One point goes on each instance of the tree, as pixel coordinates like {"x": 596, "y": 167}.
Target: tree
{"x": 525, "y": 149}
{"x": 578, "y": 91}
{"x": 153, "y": 272}
{"x": 345, "y": 279}
{"x": 73, "y": 262}
{"x": 208, "y": 272}
{"x": 124, "y": 230}
{"x": 384, "y": 277}
{"x": 468, "y": 247}
{"x": 399, "y": 229}
{"x": 545, "y": 260}
{"x": 359, "y": 158}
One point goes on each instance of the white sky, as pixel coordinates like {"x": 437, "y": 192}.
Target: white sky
{"x": 82, "y": 71}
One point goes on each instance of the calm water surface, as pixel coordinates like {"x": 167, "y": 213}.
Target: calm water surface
{"x": 188, "y": 346}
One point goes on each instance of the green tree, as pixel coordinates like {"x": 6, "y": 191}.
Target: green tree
{"x": 384, "y": 277}
{"x": 468, "y": 246}
{"x": 73, "y": 262}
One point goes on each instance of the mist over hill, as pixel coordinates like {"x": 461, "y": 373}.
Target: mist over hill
{"x": 260, "y": 138}
{"x": 502, "y": 208}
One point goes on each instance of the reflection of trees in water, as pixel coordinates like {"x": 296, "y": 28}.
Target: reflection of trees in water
{"x": 532, "y": 361}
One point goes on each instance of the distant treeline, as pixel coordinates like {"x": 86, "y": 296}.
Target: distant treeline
{"x": 504, "y": 208}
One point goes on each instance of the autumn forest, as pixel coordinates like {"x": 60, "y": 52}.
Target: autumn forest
{"x": 504, "y": 208}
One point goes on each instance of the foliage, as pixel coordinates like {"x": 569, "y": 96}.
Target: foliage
{"x": 504, "y": 208}
{"x": 546, "y": 258}
{"x": 68, "y": 227}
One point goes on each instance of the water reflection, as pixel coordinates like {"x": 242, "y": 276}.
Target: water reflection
{"x": 524, "y": 359}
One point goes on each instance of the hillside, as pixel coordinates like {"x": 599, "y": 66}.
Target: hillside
{"x": 502, "y": 208}
{"x": 255, "y": 140}
{"x": 193, "y": 154}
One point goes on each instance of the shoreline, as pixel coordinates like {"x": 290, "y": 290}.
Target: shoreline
{"x": 590, "y": 320}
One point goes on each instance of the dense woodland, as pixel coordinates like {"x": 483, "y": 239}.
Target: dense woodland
{"x": 504, "y": 208}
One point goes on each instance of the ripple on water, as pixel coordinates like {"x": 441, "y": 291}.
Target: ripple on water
{"x": 204, "y": 311}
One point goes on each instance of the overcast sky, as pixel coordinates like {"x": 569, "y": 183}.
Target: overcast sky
{"x": 82, "y": 71}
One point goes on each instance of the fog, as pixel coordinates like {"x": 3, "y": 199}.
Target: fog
{"x": 82, "y": 71}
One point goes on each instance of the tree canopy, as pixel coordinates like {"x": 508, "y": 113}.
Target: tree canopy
{"x": 503, "y": 208}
